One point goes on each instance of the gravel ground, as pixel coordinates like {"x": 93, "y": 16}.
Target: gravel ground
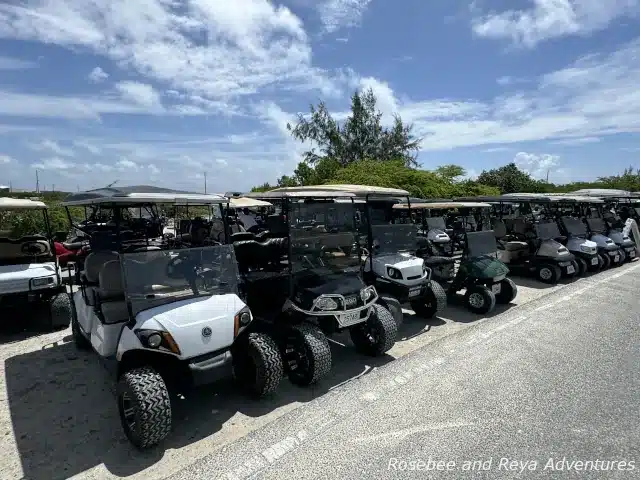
{"x": 58, "y": 416}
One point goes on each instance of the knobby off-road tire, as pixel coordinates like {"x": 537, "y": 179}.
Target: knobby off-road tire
{"x": 435, "y": 301}
{"x": 143, "y": 394}
{"x": 60, "y": 311}
{"x": 377, "y": 335}
{"x": 474, "y": 304}
{"x": 79, "y": 339}
{"x": 307, "y": 354}
{"x": 508, "y": 291}
{"x": 258, "y": 366}
{"x": 606, "y": 261}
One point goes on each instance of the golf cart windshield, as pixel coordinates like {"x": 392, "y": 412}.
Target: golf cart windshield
{"x": 395, "y": 238}
{"x": 323, "y": 237}
{"x": 435, "y": 223}
{"x": 547, "y": 231}
{"x": 154, "y": 278}
{"x": 481, "y": 243}
{"x": 574, "y": 226}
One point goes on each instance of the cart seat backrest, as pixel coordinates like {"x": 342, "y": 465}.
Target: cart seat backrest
{"x": 499, "y": 229}
{"x": 597, "y": 225}
{"x": 110, "y": 280}
{"x": 518, "y": 225}
{"x": 94, "y": 262}
{"x": 276, "y": 224}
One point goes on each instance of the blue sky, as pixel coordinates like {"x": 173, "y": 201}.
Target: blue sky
{"x": 160, "y": 91}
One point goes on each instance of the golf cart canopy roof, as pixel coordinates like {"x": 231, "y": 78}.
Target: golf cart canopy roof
{"x": 8, "y": 203}
{"x": 602, "y": 192}
{"x": 139, "y": 195}
{"x": 359, "y": 190}
{"x": 294, "y": 192}
{"x": 246, "y": 202}
{"x": 439, "y": 205}
{"x": 569, "y": 197}
{"x": 489, "y": 199}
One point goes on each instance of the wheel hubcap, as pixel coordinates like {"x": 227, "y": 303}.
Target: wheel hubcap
{"x": 545, "y": 273}
{"x": 476, "y": 300}
{"x": 295, "y": 356}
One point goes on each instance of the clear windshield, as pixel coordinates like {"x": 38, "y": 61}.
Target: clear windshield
{"x": 164, "y": 276}
{"x": 15, "y": 224}
{"x": 481, "y": 243}
{"x": 546, "y": 231}
{"x": 323, "y": 237}
{"x": 395, "y": 238}
{"x": 574, "y": 226}
{"x": 435, "y": 223}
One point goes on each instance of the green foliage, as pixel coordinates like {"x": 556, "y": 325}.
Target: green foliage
{"x": 361, "y": 136}
{"x": 510, "y": 179}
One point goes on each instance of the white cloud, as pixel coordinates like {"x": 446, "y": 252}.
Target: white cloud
{"x": 218, "y": 50}
{"x": 578, "y": 141}
{"x": 53, "y": 163}
{"x": 337, "y": 14}
{"x": 98, "y": 75}
{"x": 50, "y": 146}
{"x": 140, "y": 94}
{"x": 8, "y": 63}
{"x": 4, "y": 159}
{"x": 496, "y": 149}
{"x": 537, "y": 165}
{"x": 549, "y": 19}
{"x": 87, "y": 146}
{"x": 126, "y": 164}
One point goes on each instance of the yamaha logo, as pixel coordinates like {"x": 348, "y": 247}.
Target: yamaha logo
{"x": 206, "y": 332}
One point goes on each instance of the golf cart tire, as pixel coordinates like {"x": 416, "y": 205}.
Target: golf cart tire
{"x": 437, "y": 301}
{"x": 382, "y": 320}
{"x": 317, "y": 351}
{"x": 508, "y": 291}
{"x": 576, "y": 270}
{"x": 79, "y": 339}
{"x": 393, "y": 305}
{"x": 489, "y": 298}
{"x": 606, "y": 261}
{"x": 583, "y": 267}
{"x": 60, "y": 311}
{"x": 555, "y": 274}
{"x": 267, "y": 367}
{"x": 151, "y": 406}
{"x": 623, "y": 258}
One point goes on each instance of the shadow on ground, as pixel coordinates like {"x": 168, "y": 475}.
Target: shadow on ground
{"x": 65, "y": 417}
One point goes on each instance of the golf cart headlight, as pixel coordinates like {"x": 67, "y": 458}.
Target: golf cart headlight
{"x": 41, "y": 282}
{"x": 393, "y": 273}
{"x": 241, "y": 320}
{"x": 326, "y": 303}
{"x": 587, "y": 249}
{"x": 157, "y": 339}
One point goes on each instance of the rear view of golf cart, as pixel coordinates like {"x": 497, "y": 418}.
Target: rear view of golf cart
{"x": 306, "y": 284}
{"x": 165, "y": 314}
{"x": 29, "y": 274}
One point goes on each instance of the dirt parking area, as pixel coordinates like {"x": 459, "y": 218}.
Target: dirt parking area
{"x": 58, "y": 416}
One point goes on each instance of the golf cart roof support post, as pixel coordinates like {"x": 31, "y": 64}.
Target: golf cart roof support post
{"x": 286, "y": 203}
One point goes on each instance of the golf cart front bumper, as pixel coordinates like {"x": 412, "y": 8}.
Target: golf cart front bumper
{"x": 350, "y": 309}
{"x": 565, "y": 263}
{"x": 211, "y": 367}
{"x": 590, "y": 258}
{"x": 613, "y": 252}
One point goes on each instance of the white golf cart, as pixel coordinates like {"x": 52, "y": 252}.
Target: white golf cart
{"x": 29, "y": 274}
{"x": 165, "y": 314}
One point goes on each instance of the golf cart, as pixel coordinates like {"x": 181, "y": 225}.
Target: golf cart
{"x": 529, "y": 246}
{"x": 611, "y": 215}
{"x": 247, "y": 214}
{"x": 389, "y": 261}
{"x": 29, "y": 273}
{"x": 165, "y": 314}
{"x": 306, "y": 284}
{"x": 480, "y": 272}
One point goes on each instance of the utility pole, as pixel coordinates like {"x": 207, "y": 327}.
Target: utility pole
{"x": 37, "y": 183}
{"x": 548, "y": 175}
{"x": 53, "y": 187}
{"x": 205, "y": 183}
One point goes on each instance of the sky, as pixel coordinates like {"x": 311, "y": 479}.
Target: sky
{"x": 163, "y": 92}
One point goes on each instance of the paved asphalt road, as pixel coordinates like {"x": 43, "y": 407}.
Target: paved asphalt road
{"x": 558, "y": 378}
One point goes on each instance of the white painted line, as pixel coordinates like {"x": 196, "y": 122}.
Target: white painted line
{"x": 410, "y": 431}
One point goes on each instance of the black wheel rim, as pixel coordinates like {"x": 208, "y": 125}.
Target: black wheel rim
{"x": 296, "y": 357}
{"x": 128, "y": 412}
{"x": 371, "y": 332}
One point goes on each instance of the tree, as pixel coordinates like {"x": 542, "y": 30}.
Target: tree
{"x": 361, "y": 136}
{"x": 510, "y": 179}
{"x": 451, "y": 172}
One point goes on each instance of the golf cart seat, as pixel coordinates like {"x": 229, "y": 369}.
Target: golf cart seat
{"x": 438, "y": 261}
{"x": 277, "y": 225}
{"x": 240, "y": 236}
{"x": 111, "y": 293}
{"x": 253, "y": 254}
{"x": 500, "y": 232}
{"x": 90, "y": 276}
